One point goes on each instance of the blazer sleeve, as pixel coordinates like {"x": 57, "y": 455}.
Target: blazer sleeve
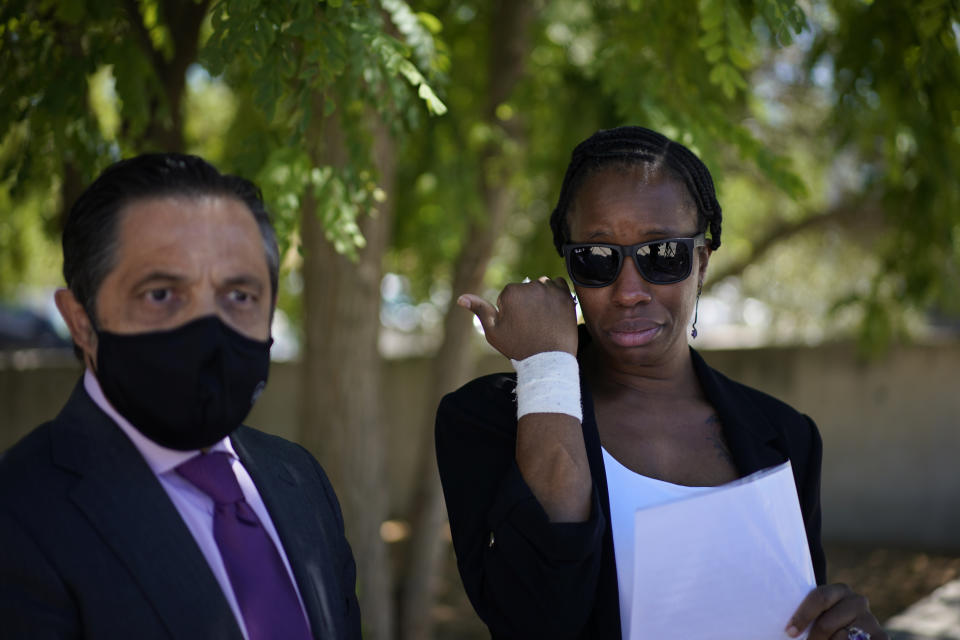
{"x": 34, "y": 601}
{"x": 525, "y": 576}
{"x": 346, "y": 566}
{"x": 807, "y": 478}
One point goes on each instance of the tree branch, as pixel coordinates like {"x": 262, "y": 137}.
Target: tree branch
{"x": 184, "y": 20}
{"x": 143, "y": 37}
{"x": 866, "y": 212}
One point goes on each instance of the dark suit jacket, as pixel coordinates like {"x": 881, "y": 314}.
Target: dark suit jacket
{"x": 91, "y": 545}
{"x": 529, "y": 578}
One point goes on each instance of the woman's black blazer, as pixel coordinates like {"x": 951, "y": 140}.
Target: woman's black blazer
{"x": 528, "y": 578}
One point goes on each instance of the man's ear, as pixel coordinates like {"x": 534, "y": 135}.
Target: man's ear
{"x": 81, "y": 329}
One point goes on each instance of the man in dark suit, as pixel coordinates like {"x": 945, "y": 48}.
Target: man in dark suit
{"x": 144, "y": 509}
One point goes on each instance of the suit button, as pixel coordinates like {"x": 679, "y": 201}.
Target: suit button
{"x": 492, "y": 540}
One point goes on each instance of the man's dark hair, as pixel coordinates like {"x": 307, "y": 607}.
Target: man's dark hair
{"x": 625, "y": 147}
{"x": 90, "y": 232}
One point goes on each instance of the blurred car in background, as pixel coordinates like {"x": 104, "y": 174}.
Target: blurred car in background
{"x": 26, "y": 328}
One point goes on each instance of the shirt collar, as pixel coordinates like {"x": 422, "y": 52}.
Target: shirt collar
{"x": 160, "y": 459}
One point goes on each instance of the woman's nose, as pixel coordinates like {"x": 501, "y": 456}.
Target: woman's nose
{"x": 630, "y": 288}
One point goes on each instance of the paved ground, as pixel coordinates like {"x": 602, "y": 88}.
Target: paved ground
{"x": 892, "y": 578}
{"x": 936, "y": 617}
{"x": 917, "y": 593}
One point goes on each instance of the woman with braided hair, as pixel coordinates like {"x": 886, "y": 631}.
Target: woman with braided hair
{"x": 542, "y": 471}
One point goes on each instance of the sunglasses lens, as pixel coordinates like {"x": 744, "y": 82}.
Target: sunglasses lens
{"x": 594, "y": 266}
{"x": 664, "y": 262}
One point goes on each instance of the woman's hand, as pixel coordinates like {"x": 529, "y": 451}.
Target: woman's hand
{"x": 530, "y": 317}
{"x": 833, "y": 610}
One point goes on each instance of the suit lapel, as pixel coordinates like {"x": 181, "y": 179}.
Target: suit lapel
{"x": 753, "y": 441}
{"x": 284, "y": 490}
{"x": 124, "y": 501}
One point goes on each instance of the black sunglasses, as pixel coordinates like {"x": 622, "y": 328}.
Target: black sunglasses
{"x": 666, "y": 261}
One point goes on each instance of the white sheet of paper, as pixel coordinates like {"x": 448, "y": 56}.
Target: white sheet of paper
{"x": 727, "y": 564}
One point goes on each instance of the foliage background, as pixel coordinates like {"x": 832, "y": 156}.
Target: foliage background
{"x": 845, "y": 111}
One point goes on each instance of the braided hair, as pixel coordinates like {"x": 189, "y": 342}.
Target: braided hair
{"x": 637, "y": 146}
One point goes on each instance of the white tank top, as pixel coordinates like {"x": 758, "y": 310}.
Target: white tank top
{"x": 629, "y": 492}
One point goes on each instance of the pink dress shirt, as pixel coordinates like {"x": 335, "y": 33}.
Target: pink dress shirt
{"x": 194, "y": 506}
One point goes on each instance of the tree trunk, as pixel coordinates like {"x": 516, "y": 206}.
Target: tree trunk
{"x": 341, "y": 421}
{"x": 509, "y": 29}
{"x": 183, "y": 19}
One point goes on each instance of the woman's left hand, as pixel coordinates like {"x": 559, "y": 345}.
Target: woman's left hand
{"x": 833, "y": 610}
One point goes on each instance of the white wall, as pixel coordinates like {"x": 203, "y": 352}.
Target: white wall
{"x": 891, "y": 471}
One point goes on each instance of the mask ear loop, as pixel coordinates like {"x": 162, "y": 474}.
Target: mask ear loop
{"x": 696, "y": 310}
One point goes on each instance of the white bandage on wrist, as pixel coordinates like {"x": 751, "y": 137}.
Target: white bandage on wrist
{"x": 548, "y": 382}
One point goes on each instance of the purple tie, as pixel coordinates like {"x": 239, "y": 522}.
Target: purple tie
{"x": 260, "y": 582}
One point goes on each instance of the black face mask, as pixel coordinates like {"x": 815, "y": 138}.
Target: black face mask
{"x": 186, "y": 388}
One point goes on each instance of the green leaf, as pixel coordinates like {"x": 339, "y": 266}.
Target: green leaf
{"x": 739, "y": 58}
{"x": 434, "y": 104}
{"x": 710, "y": 39}
{"x": 717, "y": 74}
{"x": 711, "y": 14}
{"x": 430, "y": 22}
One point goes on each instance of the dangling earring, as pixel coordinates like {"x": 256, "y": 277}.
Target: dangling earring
{"x": 696, "y": 311}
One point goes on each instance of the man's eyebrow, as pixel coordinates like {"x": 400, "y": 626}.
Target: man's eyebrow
{"x": 245, "y": 280}
{"x": 162, "y": 276}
